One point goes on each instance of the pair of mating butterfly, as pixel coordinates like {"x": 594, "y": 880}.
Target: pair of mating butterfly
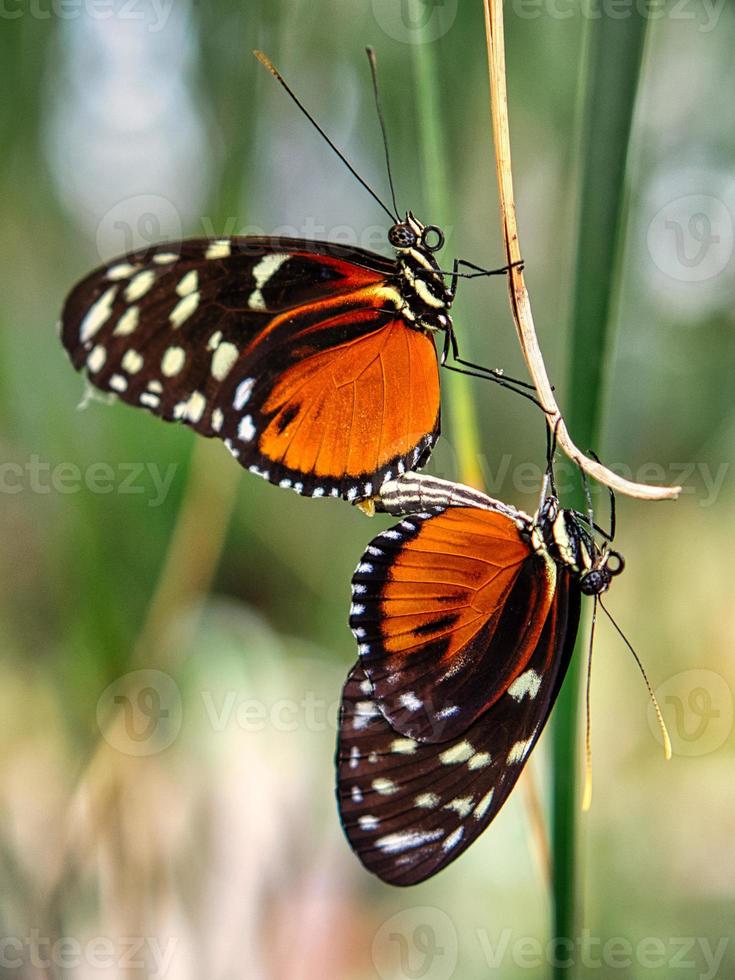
{"x": 316, "y": 365}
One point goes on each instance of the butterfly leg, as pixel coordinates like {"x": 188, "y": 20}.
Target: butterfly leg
{"x": 477, "y": 272}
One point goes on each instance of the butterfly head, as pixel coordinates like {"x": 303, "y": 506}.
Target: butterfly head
{"x": 568, "y": 539}
{"x": 412, "y": 234}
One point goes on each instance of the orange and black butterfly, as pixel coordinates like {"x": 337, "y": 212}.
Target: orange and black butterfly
{"x": 314, "y": 362}
{"x": 465, "y": 615}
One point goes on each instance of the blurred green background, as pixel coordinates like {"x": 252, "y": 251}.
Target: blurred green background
{"x": 174, "y": 631}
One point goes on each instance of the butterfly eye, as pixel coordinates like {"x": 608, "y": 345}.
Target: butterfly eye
{"x": 595, "y": 581}
{"x": 402, "y": 236}
{"x": 432, "y": 238}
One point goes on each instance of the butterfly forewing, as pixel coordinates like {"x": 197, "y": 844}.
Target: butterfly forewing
{"x": 292, "y": 352}
{"x": 448, "y": 610}
{"x": 409, "y": 808}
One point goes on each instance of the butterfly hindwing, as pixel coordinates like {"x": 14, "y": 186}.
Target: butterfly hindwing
{"x": 409, "y": 808}
{"x": 447, "y": 611}
{"x": 292, "y": 352}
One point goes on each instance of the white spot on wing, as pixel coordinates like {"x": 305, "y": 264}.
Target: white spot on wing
{"x": 527, "y": 683}
{"x": 223, "y": 359}
{"x": 139, "y": 285}
{"x": 184, "y": 309}
{"x": 97, "y": 358}
{"x": 173, "y": 361}
{"x": 394, "y": 843}
{"x": 454, "y": 838}
{"x": 123, "y": 270}
{"x": 195, "y": 406}
{"x": 262, "y": 272}
{"x": 410, "y": 701}
{"x": 386, "y": 787}
{"x": 215, "y": 340}
{"x": 364, "y": 711}
{"x": 451, "y": 709}
{"x": 188, "y": 283}
{"x": 484, "y": 805}
{"x": 118, "y": 383}
{"x": 97, "y": 315}
{"x": 460, "y": 752}
{"x": 218, "y": 249}
{"x": 127, "y": 322}
{"x": 150, "y": 400}
{"x": 427, "y": 801}
{"x": 368, "y": 822}
{"x": 217, "y": 419}
{"x": 165, "y": 258}
{"x": 132, "y": 362}
{"x": 246, "y": 430}
{"x": 479, "y": 760}
{"x": 243, "y": 393}
{"x": 462, "y": 805}
{"x": 519, "y": 751}
{"x": 404, "y": 746}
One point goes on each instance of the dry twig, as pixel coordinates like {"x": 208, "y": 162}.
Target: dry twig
{"x": 519, "y": 300}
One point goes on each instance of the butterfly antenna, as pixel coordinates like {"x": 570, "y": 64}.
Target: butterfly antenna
{"x": 267, "y": 63}
{"x": 376, "y": 92}
{"x": 587, "y": 795}
{"x": 656, "y": 708}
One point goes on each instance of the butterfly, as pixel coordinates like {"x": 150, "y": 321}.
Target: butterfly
{"x": 314, "y": 362}
{"x": 465, "y": 614}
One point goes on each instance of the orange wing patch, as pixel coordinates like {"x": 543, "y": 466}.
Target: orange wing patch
{"x": 356, "y": 407}
{"x": 448, "y": 611}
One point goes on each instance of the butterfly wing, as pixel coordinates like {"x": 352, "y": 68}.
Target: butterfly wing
{"x": 448, "y": 610}
{"x": 292, "y": 352}
{"x": 410, "y": 808}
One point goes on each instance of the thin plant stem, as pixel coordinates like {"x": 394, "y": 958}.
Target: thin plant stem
{"x": 519, "y": 299}
{"x": 610, "y": 83}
